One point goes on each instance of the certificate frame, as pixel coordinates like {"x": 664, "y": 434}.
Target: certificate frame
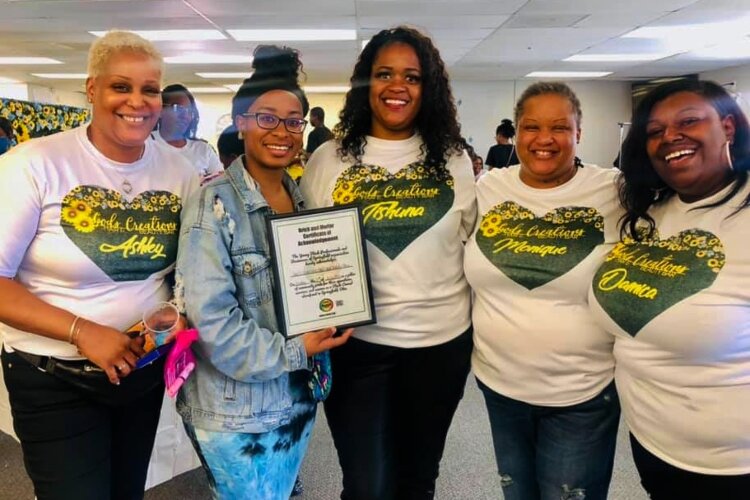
{"x": 321, "y": 270}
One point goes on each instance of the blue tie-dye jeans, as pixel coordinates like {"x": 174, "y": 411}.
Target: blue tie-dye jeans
{"x": 258, "y": 466}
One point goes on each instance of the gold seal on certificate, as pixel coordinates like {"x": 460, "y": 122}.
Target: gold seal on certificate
{"x": 321, "y": 271}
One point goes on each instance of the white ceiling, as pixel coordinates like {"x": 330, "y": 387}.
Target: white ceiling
{"x": 479, "y": 40}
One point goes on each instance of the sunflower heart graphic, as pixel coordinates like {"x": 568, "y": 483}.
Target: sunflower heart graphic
{"x": 127, "y": 240}
{"x": 641, "y": 279}
{"x": 396, "y": 208}
{"x": 531, "y": 250}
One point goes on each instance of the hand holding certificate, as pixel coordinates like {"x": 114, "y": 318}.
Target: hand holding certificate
{"x": 320, "y": 266}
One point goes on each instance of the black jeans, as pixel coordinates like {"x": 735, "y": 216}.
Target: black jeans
{"x": 389, "y": 413}
{"x": 76, "y": 447}
{"x": 663, "y": 481}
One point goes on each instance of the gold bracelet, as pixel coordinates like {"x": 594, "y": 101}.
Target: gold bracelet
{"x": 74, "y": 338}
{"x": 72, "y": 329}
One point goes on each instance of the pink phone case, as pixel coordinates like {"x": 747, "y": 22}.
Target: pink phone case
{"x": 180, "y": 361}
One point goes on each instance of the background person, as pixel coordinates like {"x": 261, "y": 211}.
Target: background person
{"x": 7, "y": 137}
{"x": 320, "y": 132}
{"x": 248, "y": 408}
{"x": 503, "y": 154}
{"x": 545, "y": 368}
{"x": 230, "y": 146}
{"x": 682, "y": 337}
{"x": 398, "y": 382}
{"x": 74, "y": 277}
{"x": 177, "y": 128}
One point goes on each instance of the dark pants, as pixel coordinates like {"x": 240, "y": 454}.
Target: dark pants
{"x": 389, "y": 413}
{"x": 75, "y": 447}
{"x": 552, "y": 453}
{"x": 663, "y": 481}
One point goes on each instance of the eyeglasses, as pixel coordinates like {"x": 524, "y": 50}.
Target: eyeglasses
{"x": 178, "y": 109}
{"x": 269, "y": 121}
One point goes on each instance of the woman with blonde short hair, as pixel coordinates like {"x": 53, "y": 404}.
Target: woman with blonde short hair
{"x": 91, "y": 219}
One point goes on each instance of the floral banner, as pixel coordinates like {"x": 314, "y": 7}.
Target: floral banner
{"x": 31, "y": 119}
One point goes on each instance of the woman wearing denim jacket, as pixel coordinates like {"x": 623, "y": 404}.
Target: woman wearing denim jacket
{"x": 248, "y": 408}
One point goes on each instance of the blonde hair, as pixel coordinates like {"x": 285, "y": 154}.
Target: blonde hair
{"x": 114, "y": 42}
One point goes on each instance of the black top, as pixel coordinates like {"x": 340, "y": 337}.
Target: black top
{"x": 501, "y": 155}
{"x": 318, "y": 136}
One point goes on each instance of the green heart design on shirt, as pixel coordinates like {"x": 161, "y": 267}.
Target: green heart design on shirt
{"x": 127, "y": 240}
{"x": 396, "y": 209}
{"x": 531, "y": 250}
{"x": 640, "y": 280}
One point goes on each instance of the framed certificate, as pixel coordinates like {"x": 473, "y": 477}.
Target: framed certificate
{"x": 321, "y": 270}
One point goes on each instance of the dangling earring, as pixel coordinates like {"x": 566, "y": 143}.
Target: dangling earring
{"x": 729, "y": 156}
{"x": 657, "y": 193}
{"x": 239, "y": 135}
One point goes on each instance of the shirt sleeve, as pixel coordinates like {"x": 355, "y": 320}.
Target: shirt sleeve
{"x": 213, "y": 161}
{"x": 21, "y": 195}
{"x": 314, "y": 183}
{"x": 469, "y": 208}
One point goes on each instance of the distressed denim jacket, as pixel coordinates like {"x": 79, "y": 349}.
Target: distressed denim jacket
{"x": 224, "y": 283}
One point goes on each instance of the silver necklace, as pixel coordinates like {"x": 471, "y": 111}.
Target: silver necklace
{"x": 127, "y": 187}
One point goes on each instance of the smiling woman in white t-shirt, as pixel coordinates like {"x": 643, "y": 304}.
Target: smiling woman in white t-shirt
{"x": 674, "y": 293}
{"x": 177, "y": 130}
{"x": 544, "y": 367}
{"x": 90, "y": 220}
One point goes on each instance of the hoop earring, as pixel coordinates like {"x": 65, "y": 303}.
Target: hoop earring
{"x": 729, "y": 156}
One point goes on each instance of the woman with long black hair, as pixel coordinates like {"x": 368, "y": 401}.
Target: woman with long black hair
{"x": 399, "y": 154}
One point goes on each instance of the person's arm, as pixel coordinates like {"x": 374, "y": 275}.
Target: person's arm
{"x": 106, "y": 347}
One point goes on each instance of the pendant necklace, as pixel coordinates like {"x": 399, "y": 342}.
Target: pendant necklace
{"x": 127, "y": 187}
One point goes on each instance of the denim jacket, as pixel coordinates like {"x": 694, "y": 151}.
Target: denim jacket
{"x": 224, "y": 283}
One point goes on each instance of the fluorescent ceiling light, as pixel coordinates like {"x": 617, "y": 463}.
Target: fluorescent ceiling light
{"x": 209, "y": 90}
{"x": 230, "y": 76}
{"x": 203, "y": 58}
{"x": 174, "y": 35}
{"x": 327, "y": 89}
{"x": 568, "y": 74}
{"x": 5, "y": 79}
{"x": 615, "y": 57}
{"x": 28, "y": 60}
{"x": 234, "y": 87}
{"x": 690, "y": 36}
{"x": 62, "y": 76}
{"x": 288, "y": 35}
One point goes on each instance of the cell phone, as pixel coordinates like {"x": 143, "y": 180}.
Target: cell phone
{"x": 153, "y": 355}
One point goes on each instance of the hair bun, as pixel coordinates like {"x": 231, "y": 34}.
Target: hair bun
{"x": 506, "y": 121}
{"x": 271, "y": 61}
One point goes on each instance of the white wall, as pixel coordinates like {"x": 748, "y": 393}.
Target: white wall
{"x": 740, "y": 75}
{"x": 47, "y": 95}
{"x": 482, "y": 105}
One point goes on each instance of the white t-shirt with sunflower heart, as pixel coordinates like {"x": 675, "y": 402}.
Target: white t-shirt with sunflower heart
{"x": 416, "y": 220}
{"x": 529, "y": 263}
{"x": 89, "y": 235}
{"x": 678, "y": 306}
